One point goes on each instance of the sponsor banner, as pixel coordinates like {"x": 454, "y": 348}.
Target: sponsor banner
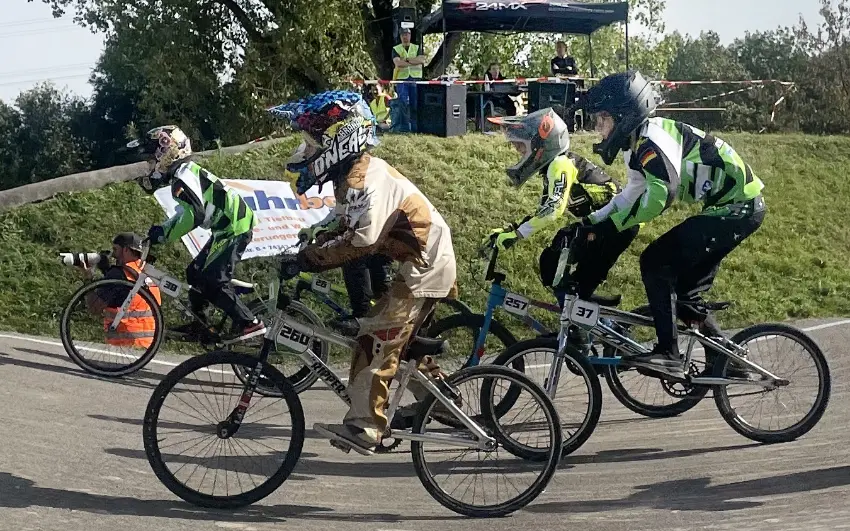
{"x": 280, "y": 214}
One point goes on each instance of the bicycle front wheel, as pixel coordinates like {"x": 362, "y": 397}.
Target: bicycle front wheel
{"x": 577, "y": 394}
{"x": 189, "y": 413}
{"x": 531, "y": 424}
{"x": 111, "y": 353}
{"x": 806, "y": 372}
{"x": 299, "y": 375}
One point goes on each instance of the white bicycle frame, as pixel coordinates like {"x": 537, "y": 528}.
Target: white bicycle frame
{"x": 297, "y": 336}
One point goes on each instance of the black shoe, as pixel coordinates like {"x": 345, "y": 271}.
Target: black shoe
{"x": 660, "y": 359}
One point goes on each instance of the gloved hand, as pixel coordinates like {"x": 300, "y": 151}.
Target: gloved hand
{"x": 289, "y": 267}
{"x": 156, "y": 234}
{"x": 310, "y": 233}
{"x": 502, "y": 239}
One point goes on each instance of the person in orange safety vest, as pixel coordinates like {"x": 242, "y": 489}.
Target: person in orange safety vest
{"x": 137, "y": 328}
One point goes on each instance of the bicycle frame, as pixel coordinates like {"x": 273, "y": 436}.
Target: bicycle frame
{"x": 580, "y": 313}
{"x": 298, "y": 337}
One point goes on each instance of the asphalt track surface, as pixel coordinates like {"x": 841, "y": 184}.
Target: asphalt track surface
{"x": 72, "y": 458}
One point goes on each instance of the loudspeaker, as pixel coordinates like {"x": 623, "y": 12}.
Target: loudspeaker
{"x": 441, "y": 109}
{"x": 542, "y": 94}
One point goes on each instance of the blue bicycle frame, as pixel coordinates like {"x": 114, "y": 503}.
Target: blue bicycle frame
{"x": 517, "y": 305}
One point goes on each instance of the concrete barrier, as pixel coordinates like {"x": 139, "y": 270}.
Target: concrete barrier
{"x": 90, "y": 180}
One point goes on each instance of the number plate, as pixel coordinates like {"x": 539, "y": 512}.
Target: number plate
{"x": 170, "y": 286}
{"x": 321, "y": 285}
{"x": 295, "y": 336}
{"x": 582, "y": 313}
{"x": 516, "y": 304}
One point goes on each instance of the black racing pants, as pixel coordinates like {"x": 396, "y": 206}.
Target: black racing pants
{"x": 592, "y": 265}
{"x": 366, "y": 279}
{"x": 682, "y": 263}
{"x": 211, "y": 272}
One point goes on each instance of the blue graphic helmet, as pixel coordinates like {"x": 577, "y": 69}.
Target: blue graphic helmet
{"x": 337, "y": 128}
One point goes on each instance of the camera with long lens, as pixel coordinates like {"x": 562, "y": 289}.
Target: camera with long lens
{"x": 86, "y": 260}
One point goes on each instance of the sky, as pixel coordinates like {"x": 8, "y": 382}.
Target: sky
{"x": 46, "y": 48}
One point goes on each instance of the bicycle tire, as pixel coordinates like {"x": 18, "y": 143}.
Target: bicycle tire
{"x": 151, "y": 443}
{"x": 141, "y": 361}
{"x": 721, "y": 397}
{"x": 594, "y": 410}
{"x": 523, "y": 499}
{"x": 472, "y": 322}
{"x": 612, "y": 378}
{"x": 457, "y": 305}
{"x": 304, "y": 378}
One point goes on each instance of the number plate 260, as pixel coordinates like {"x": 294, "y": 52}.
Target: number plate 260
{"x": 582, "y": 313}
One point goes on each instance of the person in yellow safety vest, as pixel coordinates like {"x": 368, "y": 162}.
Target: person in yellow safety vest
{"x": 138, "y": 328}
{"x": 379, "y": 104}
{"x": 408, "y": 63}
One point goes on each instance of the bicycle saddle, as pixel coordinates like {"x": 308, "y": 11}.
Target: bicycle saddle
{"x": 420, "y": 347}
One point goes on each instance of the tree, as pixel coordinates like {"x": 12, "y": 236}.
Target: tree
{"x": 36, "y": 137}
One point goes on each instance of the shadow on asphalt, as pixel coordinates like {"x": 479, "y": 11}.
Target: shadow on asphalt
{"x": 142, "y": 379}
{"x": 699, "y": 495}
{"x": 21, "y": 493}
{"x": 647, "y": 454}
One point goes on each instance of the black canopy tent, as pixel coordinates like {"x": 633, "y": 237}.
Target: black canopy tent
{"x": 541, "y": 16}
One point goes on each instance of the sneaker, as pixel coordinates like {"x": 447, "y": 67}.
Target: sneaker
{"x": 404, "y": 416}
{"x": 256, "y": 328}
{"x": 662, "y": 360}
{"x": 362, "y": 441}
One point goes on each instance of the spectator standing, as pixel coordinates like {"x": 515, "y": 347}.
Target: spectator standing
{"x": 563, "y": 64}
{"x": 379, "y": 103}
{"x": 408, "y": 63}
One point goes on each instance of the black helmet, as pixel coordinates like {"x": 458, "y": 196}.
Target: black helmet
{"x": 539, "y": 137}
{"x": 629, "y": 98}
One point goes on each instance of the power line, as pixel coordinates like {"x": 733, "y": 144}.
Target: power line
{"x": 61, "y": 29}
{"x": 27, "y": 81}
{"x": 29, "y": 22}
{"x": 13, "y": 73}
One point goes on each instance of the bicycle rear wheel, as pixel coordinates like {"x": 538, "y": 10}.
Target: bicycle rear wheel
{"x": 91, "y": 346}
{"x": 188, "y": 411}
{"x": 524, "y": 479}
{"x": 653, "y": 396}
{"x": 762, "y": 342}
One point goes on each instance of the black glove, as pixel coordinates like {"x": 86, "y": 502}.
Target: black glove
{"x": 156, "y": 234}
{"x": 289, "y": 267}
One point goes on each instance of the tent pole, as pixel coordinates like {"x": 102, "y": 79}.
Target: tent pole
{"x": 445, "y": 36}
{"x": 590, "y": 50}
{"x": 627, "y": 44}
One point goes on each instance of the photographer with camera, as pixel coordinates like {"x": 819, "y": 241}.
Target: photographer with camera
{"x": 137, "y": 328}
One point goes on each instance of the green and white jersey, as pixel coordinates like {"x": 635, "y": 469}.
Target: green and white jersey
{"x": 204, "y": 201}
{"x": 675, "y": 161}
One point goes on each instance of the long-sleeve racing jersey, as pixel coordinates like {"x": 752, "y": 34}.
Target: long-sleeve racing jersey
{"x": 570, "y": 183}
{"x": 673, "y": 161}
{"x": 381, "y": 212}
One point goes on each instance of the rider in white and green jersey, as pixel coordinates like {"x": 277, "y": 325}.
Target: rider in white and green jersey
{"x": 669, "y": 161}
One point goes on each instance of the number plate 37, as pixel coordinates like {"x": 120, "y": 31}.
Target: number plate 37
{"x": 582, "y": 313}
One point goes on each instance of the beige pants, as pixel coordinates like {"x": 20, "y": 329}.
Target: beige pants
{"x": 383, "y": 335}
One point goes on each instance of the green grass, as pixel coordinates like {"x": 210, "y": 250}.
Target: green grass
{"x": 795, "y": 266}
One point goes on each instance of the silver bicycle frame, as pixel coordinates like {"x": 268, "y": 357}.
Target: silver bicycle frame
{"x": 606, "y": 334}
{"x": 298, "y": 337}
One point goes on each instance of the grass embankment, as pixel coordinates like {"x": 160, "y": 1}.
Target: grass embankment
{"x": 795, "y": 266}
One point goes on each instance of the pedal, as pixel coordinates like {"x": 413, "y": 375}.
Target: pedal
{"x": 340, "y": 446}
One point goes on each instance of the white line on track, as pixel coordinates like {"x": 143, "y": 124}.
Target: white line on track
{"x": 172, "y": 364}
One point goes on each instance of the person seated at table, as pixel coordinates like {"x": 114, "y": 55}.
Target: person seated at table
{"x": 503, "y": 101}
{"x": 379, "y": 103}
